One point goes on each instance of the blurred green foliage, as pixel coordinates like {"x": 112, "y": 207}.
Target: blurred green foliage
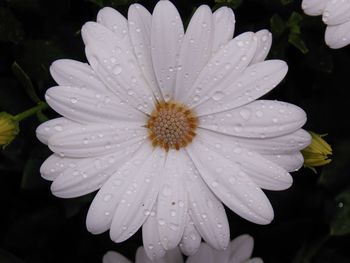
{"x": 312, "y": 218}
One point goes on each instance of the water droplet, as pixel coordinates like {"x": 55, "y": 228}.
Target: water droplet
{"x": 117, "y": 69}
{"x": 218, "y": 95}
{"x": 107, "y": 197}
{"x": 245, "y": 114}
{"x": 73, "y": 100}
{"x": 259, "y": 114}
{"x": 166, "y": 191}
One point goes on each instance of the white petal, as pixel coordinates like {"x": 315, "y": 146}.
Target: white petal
{"x": 86, "y": 106}
{"x": 291, "y": 162}
{"x": 338, "y": 36}
{"x": 150, "y": 236}
{"x": 96, "y": 139}
{"x": 224, "y": 27}
{"x": 314, "y": 7}
{"x": 255, "y": 81}
{"x": 49, "y": 128}
{"x": 67, "y": 72}
{"x": 195, "y": 51}
{"x": 266, "y": 174}
{"x": 207, "y": 212}
{"x": 191, "y": 239}
{"x": 102, "y": 209}
{"x": 55, "y": 165}
{"x": 285, "y": 144}
{"x": 336, "y": 12}
{"x": 113, "y": 20}
{"x": 140, "y": 23}
{"x": 114, "y": 257}
{"x": 172, "y": 256}
{"x": 241, "y": 248}
{"x": 138, "y": 198}
{"x": 264, "y": 44}
{"x": 172, "y": 201}
{"x": 254, "y": 260}
{"x": 234, "y": 188}
{"x": 259, "y": 119}
{"x": 223, "y": 69}
{"x": 166, "y": 38}
{"x": 113, "y": 60}
{"x": 89, "y": 174}
{"x": 205, "y": 254}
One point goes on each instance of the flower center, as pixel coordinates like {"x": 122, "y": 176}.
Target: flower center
{"x": 171, "y": 126}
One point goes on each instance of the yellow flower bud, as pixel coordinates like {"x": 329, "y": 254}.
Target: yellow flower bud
{"x": 8, "y": 128}
{"x": 317, "y": 153}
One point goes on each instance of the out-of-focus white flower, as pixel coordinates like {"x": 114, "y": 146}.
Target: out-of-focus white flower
{"x": 239, "y": 251}
{"x": 336, "y": 15}
{"x": 168, "y": 126}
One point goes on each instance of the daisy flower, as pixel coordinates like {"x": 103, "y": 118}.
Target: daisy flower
{"x": 167, "y": 125}
{"x": 239, "y": 251}
{"x": 336, "y": 15}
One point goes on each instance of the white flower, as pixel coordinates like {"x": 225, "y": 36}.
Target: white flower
{"x": 167, "y": 126}
{"x": 336, "y": 15}
{"x": 239, "y": 251}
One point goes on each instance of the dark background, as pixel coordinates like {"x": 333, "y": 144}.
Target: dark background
{"x": 312, "y": 219}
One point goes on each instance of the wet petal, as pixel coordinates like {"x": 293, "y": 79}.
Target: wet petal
{"x": 54, "y": 126}
{"x": 222, "y": 69}
{"x": 114, "y": 257}
{"x": 166, "y": 38}
{"x": 265, "y": 173}
{"x": 264, "y": 44}
{"x": 241, "y": 248}
{"x": 86, "y": 106}
{"x": 314, "y": 7}
{"x": 95, "y": 139}
{"x": 259, "y": 119}
{"x": 55, "y": 165}
{"x": 102, "y": 209}
{"x": 224, "y": 27}
{"x": 138, "y": 198}
{"x": 140, "y": 24}
{"x": 113, "y": 20}
{"x": 113, "y": 60}
{"x": 234, "y": 188}
{"x": 150, "y": 236}
{"x": 191, "y": 239}
{"x": 67, "y": 72}
{"x": 254, "y": 82}
{"x": 206, "y": 211}
{"x": 338, "y": 36}
{"x": 336, "y": 12}
{"x": 172, "y": 201}
{"x": 195, "y": 51}
{"x": 291, "y": 162}
{"x": 89, "y": 174}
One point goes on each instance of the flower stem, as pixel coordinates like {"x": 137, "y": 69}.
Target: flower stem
{"x": 23, "y": 115}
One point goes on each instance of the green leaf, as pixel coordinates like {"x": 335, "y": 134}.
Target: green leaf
{"x": 25, "y": 81}
{"x": 296, "y": 41}
{"x": 294, "y": 22}
{"x": 340, "y": 224}
{"x": 10, "y": 27}
{"x": 278, "y": 25}
{"x": 231, "y": 3}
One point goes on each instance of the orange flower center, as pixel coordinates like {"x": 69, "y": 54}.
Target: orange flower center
{"x": 172, "y": 126}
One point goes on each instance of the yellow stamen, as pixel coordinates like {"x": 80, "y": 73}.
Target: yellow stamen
{"x": 171, "y": 126}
